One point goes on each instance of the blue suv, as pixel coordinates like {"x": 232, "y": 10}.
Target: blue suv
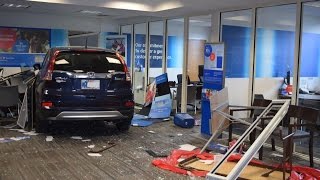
{"x": 83, "y": 84}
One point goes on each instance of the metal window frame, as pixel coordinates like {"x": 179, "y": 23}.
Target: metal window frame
{"x": 254, "y": 148}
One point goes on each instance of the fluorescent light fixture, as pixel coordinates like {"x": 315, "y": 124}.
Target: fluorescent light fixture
{"x": 313, "y": 4}
{"x": 90, "y": 12}
{"x": 8, "y": 5}
{"x": 238, "y": 18}
{"x": 127, "y": 6}
{"x": 168, "y": 5}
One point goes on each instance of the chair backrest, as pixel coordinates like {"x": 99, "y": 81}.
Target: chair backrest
{"x": 18, "y": 81}
{"x": 191, "y": 94}
{"x": 179, "y": 77}
{"x": 307, "y": 114}
{"x": 259, "y": 102}
{"x": 9, "y": 96}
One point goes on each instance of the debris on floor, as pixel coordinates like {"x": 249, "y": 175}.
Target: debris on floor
{"x": 94, "y": 154}
{"x": 187, "y": 147}
{"x": 152, "y": 132}
{"x": 6, "y": 140}
{"x": 49, "y": 138}
{"x": 171, "y": 162}
{"x": 93, "y": 150}
{"x": 91, "y": 146}
{"x": 154, "y": 154}
{"x": 86, "y": 140}
{"x": 31, "y": 133}
{"x": 76, "y": 137}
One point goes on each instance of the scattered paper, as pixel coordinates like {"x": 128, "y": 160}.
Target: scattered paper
{"x": 208, "y": 162}
{"x": 22, "y": 131}
{"x": 49, "y": 138}
{"x": 31, "y": 133}
{"x": 76, "y": 137}
{"x": 276, "y": 155}
{"x": 104, "y": 146}
{"x": 197, "y": 122}
{"x": 218, "y": 157}
{"x": 153, "y": 142}
{"x": 19, "y": 138}
{"x": 187, "y": 147}
{"x": 86, "y": 140}
{"x": 179, "y": 134}
{"x": 91, "y": 146}
{"x": 94, "y": 154}
{"x": 152, "y": 132}
{"x": 5, "y": 140}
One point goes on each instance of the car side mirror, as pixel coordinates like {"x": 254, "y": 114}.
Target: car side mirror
{"x": 37, "y": 66}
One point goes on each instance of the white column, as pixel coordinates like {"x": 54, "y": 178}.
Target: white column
{"x": 185, "y": 66}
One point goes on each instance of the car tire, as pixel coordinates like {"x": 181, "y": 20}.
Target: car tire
{"x": 41, "y": 125}
{"x": 124, "y": 125}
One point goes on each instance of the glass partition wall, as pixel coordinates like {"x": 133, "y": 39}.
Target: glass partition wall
{"x": 309, "y": 82}
{"x": 156, "y": 47}
{"x": 139, "y": 68}
{"x": 274, "y": 53}
{"x": 175, "y": 29}
{"x": 236, "y": 33}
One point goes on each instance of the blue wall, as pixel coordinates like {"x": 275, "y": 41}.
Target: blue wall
{"x": 274, "y": 52}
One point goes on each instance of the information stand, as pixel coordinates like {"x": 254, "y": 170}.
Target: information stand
{"x": 213, "y": 80}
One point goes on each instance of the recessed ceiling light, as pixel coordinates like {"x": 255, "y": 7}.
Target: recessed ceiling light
{"x": 15, "y": 5}
{"x": 90, "y": 12}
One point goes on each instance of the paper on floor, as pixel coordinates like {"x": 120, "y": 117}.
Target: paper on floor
{"x": 76, "y": 137}
{"x": 91, "y": 146}
{"x": 187, "y": 147}
{"x": 152, "y": 132}
{"x": 49, "y": 138}
{"x": 94, "y": 154}
{"x": 31, "y": 133}
{"x": 208, "y": 162}
{"x": 86, "y": 140}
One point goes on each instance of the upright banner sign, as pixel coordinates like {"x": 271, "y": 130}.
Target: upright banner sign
{"x": 213, "y": 80}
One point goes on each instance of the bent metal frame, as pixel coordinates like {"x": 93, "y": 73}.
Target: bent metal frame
{"x": 254, "y": 148}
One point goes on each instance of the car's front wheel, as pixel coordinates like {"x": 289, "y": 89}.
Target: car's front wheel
{"x": 124, "y": 125}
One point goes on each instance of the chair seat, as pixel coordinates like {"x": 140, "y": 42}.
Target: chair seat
{"x": 297, "y": 133}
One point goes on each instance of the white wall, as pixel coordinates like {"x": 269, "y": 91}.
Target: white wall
{"x": 80, "y": 23}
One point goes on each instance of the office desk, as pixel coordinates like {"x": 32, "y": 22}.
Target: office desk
{"x": 302, "y": 96}
{"x": 309, "y": 100}
{"x": 199, "y": 89}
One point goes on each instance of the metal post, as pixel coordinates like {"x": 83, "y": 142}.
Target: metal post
{"x": 185, "y": 66}
{"x": 252, "y": 56}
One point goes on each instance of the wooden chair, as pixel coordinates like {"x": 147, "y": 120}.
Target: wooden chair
{"x": 255, "y": 110}
{"x": 303, "y": 127}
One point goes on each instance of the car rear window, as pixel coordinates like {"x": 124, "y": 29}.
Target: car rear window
{"x": 83, "y": 62}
